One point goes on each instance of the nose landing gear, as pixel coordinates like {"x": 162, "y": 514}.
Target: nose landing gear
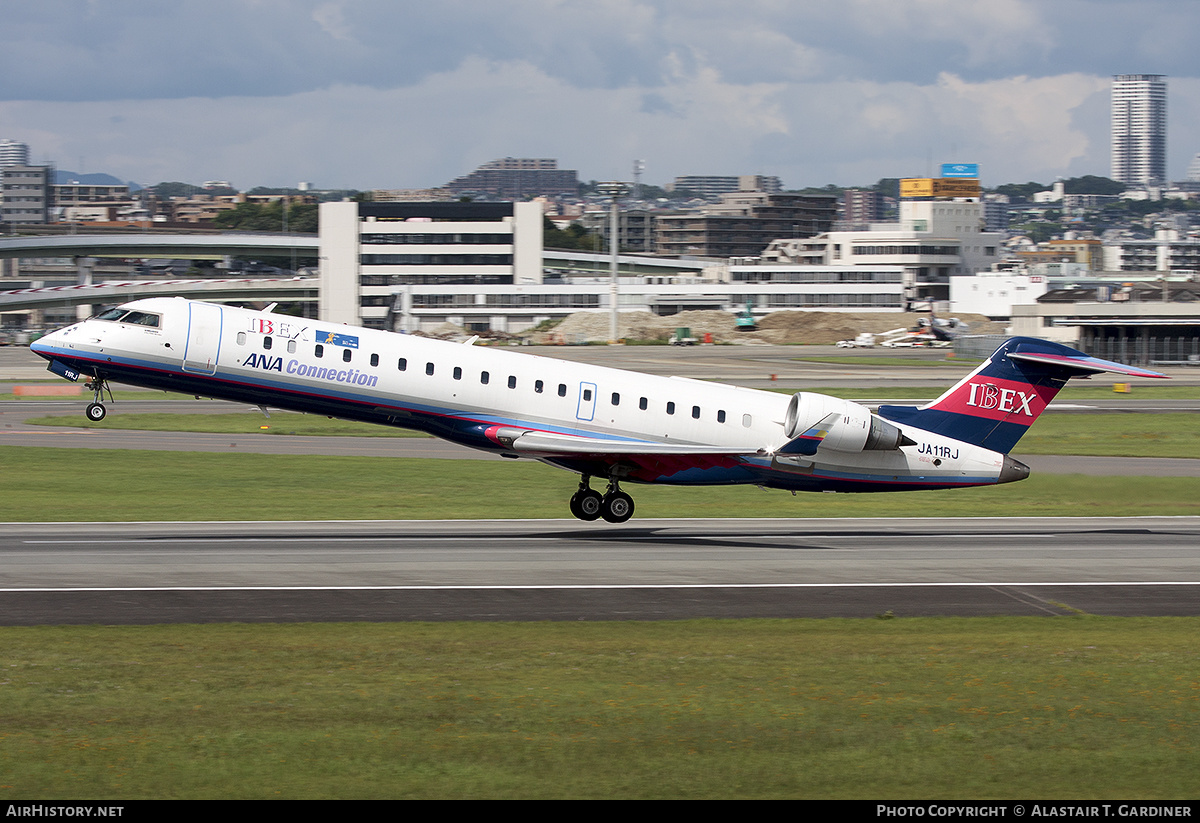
{"x": 95, "y": 410}
{"x": 587, "y": 504}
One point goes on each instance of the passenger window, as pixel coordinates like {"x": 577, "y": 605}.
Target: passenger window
{"x": 402, "y": 364}
{"x": 747, "y": 420}
{"x": 670, "y": 408}
{"x": 457, "y": 373}
{"x": 695, "y": 412}
{"x": 241, "y": 338}
{"x": 267, "y": 343}
{"x": 562, "y": 389}
{"x": 587, "y": 395}
{"x": 319, "y": 350}
{"x": 643, "y": 403}
{"x": 512, "y": 382}
{"x": 616, "y": 399}
{"x": 484, "y": 377}
{"x": 374, "y": 360}
{"x": 346, "y": 355}
{"x": 538, "y": 385}
{"x": 721, "y": 416}
{"x": 429, "y": 369}
{"x": 292, "y": 348}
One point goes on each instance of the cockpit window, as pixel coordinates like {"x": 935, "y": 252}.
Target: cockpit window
{"x": 137, "y": 318}
{"x": 141, "y": 318}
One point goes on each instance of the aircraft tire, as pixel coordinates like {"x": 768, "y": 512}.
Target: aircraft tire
{"x": 617, "y": 507}
{"x": 586, "y": 505}
{"x": 95, "y": 412}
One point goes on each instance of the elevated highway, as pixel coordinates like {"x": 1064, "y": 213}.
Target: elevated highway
{"x": 290, "y": 290}
{"x": 85, "y": 247}
{"x": 159, "y": 244}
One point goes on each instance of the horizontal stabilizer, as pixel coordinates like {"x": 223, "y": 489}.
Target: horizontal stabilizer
{"x": 1083, "y": 364}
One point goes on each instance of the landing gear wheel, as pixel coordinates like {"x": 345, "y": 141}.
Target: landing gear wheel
{"x": 617, "y": 507}
{"x": 95, "y": 410}
{"x": 586, "y": 504}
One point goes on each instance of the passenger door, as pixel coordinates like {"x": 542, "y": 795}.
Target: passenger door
{"x": 586, "y": 409}
{"x": 204, "y": 338}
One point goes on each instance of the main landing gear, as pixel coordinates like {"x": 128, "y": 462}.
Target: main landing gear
{"x": 615, "y": 506}
{"x": 95, "y": 410}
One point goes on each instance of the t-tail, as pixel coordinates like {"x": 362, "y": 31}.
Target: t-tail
{"x": 995, "y": 404}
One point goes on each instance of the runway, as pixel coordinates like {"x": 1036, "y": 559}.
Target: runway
{"x": 563, "y": 570}
{"x": 131, "y": 573}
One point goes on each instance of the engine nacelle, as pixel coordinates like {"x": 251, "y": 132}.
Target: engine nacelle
{"x": 855, "y": 428}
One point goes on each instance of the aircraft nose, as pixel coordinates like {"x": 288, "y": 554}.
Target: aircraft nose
{"x": 43, "y": 345}
{"x": 48, "y": 344}
{"x": 1012, "y": 470}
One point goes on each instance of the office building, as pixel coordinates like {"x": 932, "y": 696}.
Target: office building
{"x": 861, "y": 207}
{"x": 25, "y": 194}
{"x": 371, "y": 251}
{"x": 517, "y": 178}
{"x": 716, "y": 185}
{"x": 744, "y": 223}
{"x": 1139, "y": 129}
{"x": 934, "y": 240}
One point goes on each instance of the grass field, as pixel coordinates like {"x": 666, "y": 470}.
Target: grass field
{"x": 1074, "y": 707}
{"x": 71, "y": 485}
{"x": 279, "y": 422}
{"x": 1119, "y": 435}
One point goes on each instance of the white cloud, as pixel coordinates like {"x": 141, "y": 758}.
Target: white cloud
{"x": 332, "y": 20}
{"x": 381, "y": 94}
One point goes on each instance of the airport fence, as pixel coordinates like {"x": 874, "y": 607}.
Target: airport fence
{"x": 977, "y": 346}
{"x": 1132, "y": 351}
{"x": 1145, "y": 351}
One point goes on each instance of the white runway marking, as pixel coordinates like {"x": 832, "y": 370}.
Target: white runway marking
{"x": 593, "y": 586}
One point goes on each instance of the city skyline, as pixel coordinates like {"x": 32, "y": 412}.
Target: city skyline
{"x": 371, "y": 94}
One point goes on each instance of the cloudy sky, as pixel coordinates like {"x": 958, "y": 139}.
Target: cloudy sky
{"x": 392, "y": 93}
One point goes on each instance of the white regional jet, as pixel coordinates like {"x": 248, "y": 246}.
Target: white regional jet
{"x": 594, "y": 421}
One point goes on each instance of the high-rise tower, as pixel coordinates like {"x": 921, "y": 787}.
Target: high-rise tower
{"x": 13, "y": 153}
{"x": 1139, "y": 129}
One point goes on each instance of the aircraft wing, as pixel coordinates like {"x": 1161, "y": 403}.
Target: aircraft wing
{"x": 542, "y": 443}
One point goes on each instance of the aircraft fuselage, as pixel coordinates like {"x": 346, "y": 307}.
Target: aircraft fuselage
{"x": 597, "y": 421}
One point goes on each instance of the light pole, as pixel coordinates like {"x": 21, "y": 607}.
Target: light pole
{"x": 614, "y": 190}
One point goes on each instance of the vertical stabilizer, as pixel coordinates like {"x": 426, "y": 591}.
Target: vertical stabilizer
{"x": 996, "y": 404}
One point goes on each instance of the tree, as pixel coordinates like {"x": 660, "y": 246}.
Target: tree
{"x": 1091, "y": 184}
{"x": 574, "y": 236}
{"x": 302, "y": 218}
{"x": 174, "y": 189}
{"x": 1020, "y": 191}
{"x": 888, "y": 187}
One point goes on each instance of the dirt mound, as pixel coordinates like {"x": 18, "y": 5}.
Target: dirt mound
{"x": 781, "y": 327}
{"x": 591, "y": 327}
